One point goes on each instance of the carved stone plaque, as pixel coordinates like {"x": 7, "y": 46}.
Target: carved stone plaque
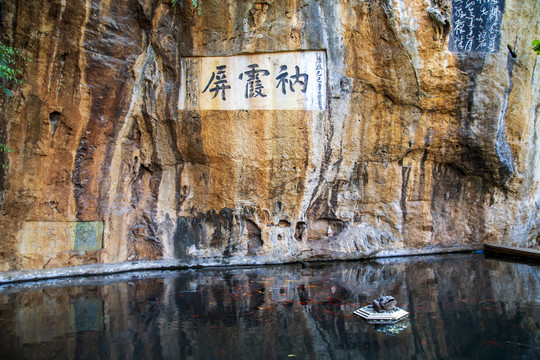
{"x": 54, "y": 237}
{"x": 476, "y": 25}
{"x": 272, "y": 81}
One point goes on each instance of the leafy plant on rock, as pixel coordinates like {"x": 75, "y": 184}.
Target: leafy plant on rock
{"x": 4, "y": 149}
{"x": 536, "y": 46}
{"x": 10, "y": 75}
{"x": 10, "y": 70}
{"x": 196, "y": 4}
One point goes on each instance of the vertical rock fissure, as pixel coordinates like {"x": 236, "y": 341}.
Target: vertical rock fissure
{"x": 504, "y": 152}
{"x": 405, "y": 173}
{"x": 56, "y": 41}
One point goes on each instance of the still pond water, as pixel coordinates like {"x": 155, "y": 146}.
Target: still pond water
{"x": 461, "y": 307}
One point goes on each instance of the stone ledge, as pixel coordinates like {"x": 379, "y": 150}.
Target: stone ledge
{"x": 88, "y": 270}
{"x": 107, "y": 269}
{"x": 512, "y": 251}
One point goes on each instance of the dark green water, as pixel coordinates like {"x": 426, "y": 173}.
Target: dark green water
{"x": 461, "y": 307}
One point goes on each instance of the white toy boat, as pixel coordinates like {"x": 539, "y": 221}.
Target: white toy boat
{"x": 371, "y": 315}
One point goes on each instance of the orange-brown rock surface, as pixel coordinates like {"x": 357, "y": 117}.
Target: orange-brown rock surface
{"x": 418, "y": 147}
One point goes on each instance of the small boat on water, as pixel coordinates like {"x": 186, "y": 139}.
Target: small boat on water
{"x": 373, "y": 316}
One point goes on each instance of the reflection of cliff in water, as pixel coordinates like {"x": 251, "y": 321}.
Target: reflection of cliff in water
{"x": 461, "y": 306}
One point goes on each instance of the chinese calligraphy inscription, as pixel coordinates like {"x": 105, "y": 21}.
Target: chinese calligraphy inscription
{"x": 220, "y": 84}
{"x": 254, "y": 86}
{"x": 476, "y": 25}
{"x": 276, "y": 81}
{"x": 283, "y": 80}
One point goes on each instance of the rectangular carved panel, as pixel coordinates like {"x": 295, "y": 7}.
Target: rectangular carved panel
{"x": 274, "y": 81}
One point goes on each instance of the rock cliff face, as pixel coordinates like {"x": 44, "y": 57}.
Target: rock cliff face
{"x": 418, "y": 147}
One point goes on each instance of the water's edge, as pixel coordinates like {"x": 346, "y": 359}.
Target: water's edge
{"x": 106, "y": 269}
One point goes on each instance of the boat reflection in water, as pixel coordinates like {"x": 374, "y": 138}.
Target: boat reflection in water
{"x": 461, "y": 306}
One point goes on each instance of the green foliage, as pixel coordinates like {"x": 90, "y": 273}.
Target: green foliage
{"x": 197, "y": 4}
{"x": 536, "y": 46}
{"x": 10, "y": 72}
{"x": 4, "y": 149}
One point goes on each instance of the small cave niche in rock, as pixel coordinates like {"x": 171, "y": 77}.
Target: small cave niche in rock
{"x": 300, "y": 230}
{"x": 54, "y": 120}
{"x": 254, "y": 237}
{"x": 324, "y": 227}
{"x": 511, "y": 51}
{"x": 284, "y": 224}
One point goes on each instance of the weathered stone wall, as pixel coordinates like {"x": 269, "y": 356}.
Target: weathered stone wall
{"x": 418, "y": 147}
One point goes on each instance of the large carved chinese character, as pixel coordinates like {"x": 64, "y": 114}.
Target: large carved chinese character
{"x": 220, "y": 83}
{"x": 283, "y": 79}
{"x": 254, "y": 86}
